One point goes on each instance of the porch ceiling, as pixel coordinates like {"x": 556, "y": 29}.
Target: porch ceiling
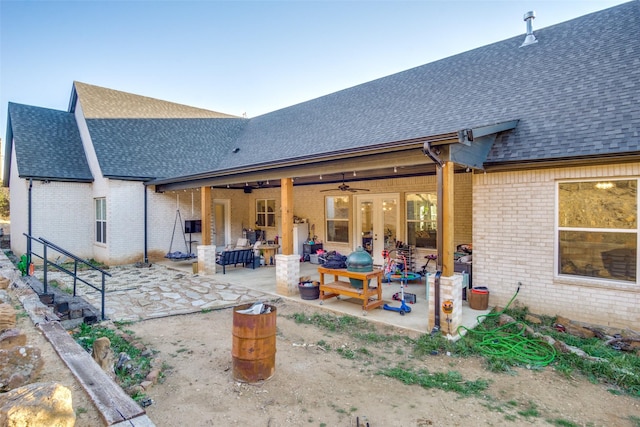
{"x": 397, "y": 164}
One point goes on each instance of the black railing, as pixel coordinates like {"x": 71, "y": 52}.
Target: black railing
{"x": 76, "y": 261}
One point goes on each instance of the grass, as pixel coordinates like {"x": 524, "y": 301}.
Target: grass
{"x": 132, "y": 372}
{"x": 620, "y": 370}
{"x": 448, "y": 381}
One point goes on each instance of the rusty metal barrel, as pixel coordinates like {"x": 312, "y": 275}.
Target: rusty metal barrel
{"x": 254, "y": 344}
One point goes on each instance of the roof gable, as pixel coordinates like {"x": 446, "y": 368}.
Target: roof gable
{"x": 47, "y": 144}
{"x": 102, "y": 103}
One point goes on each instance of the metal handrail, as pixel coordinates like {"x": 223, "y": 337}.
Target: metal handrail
{"x": 76, "y": 260}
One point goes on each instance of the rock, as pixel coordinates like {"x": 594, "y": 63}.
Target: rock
{"x": 146, "y": 385}
{"x": 7, "y": 317}
{"x": 18, "y": 366}
{"x": 37, "y": 404}
{"x": 532, "y": 318}
{"x": 103, "y": 355}
{"x": 574, "y": 329}
{"x": 4, "y": 282}
{"x": 12, "y": 338}
{"x": 123, "y": 358}
{"x": 579, "y": 331}
{"x": 153, "y": 375}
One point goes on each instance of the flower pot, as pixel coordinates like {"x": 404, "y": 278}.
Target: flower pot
{"x": 309, "y": 290}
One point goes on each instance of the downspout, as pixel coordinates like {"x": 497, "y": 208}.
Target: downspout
{"x": 433, "y": 155}
{"x": 29, "y": 225}
{"x": 146, "y": 255}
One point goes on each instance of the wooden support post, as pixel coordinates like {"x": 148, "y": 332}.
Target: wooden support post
{"x": 447, "y": 219}
{"x": 205, "y": 214}
{"x": 286, "y": 203}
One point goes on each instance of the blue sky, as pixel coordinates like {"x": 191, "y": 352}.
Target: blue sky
{"x": 240, "y": 57}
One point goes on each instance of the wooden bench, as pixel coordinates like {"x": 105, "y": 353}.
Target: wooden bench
{"x": 235, "y": 257}
{"x": 371, "y": 296}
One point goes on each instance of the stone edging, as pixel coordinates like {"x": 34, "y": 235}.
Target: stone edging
{"x": 114, "y": 405}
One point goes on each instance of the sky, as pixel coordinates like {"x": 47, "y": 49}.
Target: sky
{"x": 242, "y": 57}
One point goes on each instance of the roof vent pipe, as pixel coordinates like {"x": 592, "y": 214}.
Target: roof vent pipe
{"x": 530, "y": 39}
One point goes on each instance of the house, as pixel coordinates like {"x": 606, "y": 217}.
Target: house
{"x": 528, "y": 149}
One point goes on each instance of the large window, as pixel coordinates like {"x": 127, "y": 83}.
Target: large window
{"x": 422, "y": 215}
{"x": 337, "y": 215}
{"x": 101, "y": 220}
{"x": 598, "y": 229}
{"x": 266, "y": 212}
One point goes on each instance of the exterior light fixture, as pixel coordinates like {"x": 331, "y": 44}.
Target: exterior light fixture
{"x": 395, "y": 169}
{"x": 604, "y": 185}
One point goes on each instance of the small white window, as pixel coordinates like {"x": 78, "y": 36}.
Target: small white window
{"x": 101, "y": 220}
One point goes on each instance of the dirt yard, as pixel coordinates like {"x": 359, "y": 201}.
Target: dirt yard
{"x": 337, "y": 383}
{"x": 321, "y": 386}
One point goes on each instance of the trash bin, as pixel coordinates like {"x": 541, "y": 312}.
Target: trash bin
{"x": 254, "y": 344}
{"x": 479, "y": 298}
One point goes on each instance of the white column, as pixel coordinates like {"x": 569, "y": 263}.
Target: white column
{"x": 450, "y": 289}
{"x": 206, "y": 260}
{"x": 287, "y": 274}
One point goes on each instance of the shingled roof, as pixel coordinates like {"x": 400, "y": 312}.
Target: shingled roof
{"x": 47, "y": 144}
{"x": 142, "y": 149}
{"x": 103, "y": 103}
{"x": 575, "y": 94}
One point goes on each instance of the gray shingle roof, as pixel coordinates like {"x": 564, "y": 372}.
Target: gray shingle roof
{"x": 576, "y": 93}
{"x": 47, "y": 144}
{"x": 144, "y": 148}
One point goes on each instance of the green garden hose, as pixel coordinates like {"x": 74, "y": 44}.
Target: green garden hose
{"x": 505, "y": 343}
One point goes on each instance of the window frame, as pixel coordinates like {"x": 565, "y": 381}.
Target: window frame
{"x": 346, "y": 220}
{"x": 265, "y": 215}
{"x": 433, "y": 221}
{"x": 100, "y": 205}
{"x": 620, "y": 231}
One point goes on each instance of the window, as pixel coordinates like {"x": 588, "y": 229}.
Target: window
{"x": 598, "y": 229}
{"x": 266, "y": 212}
{"x": 337, "y": 215}
{"x": 422, "y": 215}
{"x": 101, "y": 220}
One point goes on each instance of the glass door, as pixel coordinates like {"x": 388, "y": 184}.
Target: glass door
{"x": 377, "y": 224}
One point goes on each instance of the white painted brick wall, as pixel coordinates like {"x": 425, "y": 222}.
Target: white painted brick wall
{"x": 514, "y": 238}
{"x": 61, "y": 212}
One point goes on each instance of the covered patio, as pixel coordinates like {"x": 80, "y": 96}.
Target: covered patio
{"x": 263, "y": 279}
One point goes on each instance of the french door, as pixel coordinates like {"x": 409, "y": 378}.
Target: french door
{"x": 377, "y": 223}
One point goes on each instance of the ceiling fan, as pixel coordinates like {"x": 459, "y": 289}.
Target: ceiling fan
{"x": 345, "y": 187}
